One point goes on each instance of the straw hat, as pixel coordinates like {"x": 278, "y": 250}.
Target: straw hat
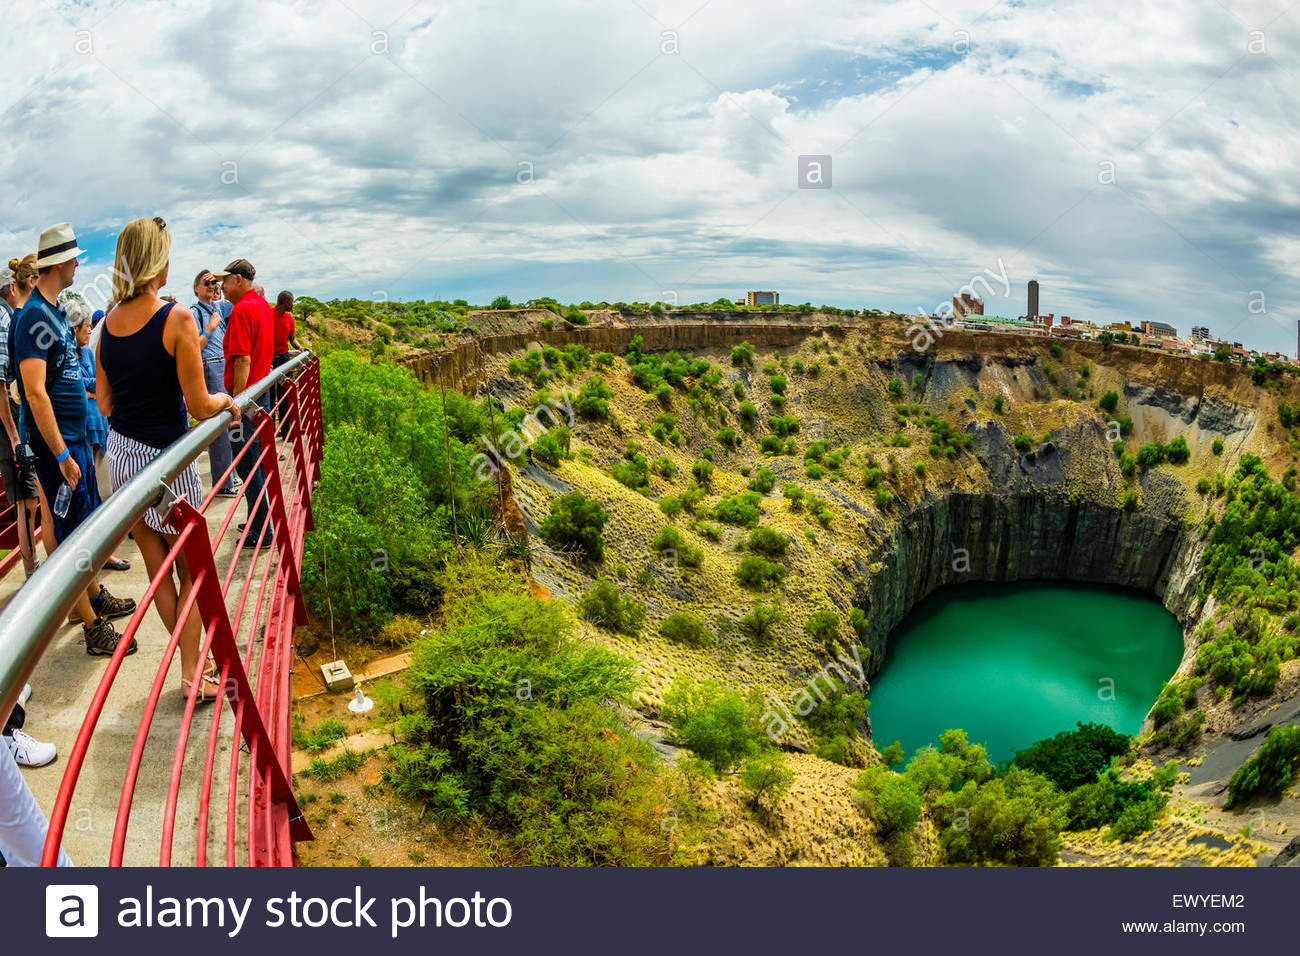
{"x": 58, "y": 245}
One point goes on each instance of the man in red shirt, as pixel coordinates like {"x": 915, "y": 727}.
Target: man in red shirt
{"x": 282, "y": 317}
{"x": 248, "y": 347}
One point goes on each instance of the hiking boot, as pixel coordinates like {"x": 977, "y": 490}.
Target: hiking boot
{"x": 110, "y": 607}
{"x": 102, "y": 639}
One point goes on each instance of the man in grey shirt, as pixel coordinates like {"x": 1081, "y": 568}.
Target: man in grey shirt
{"x": 211, "y": 312}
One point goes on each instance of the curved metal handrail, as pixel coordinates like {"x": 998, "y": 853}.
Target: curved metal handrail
{"x": 37, "y": 611}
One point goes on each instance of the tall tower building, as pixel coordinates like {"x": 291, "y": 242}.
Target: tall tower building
{"x": 1033, "y": 299}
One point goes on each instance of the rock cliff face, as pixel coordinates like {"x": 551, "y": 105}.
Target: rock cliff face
{"x": 999, "y": 537}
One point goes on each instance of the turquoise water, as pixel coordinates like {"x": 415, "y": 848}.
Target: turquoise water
{"x": 1012, "y": 664}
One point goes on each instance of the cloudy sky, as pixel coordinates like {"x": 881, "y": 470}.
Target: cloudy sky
{"x": 1138, "y": 158}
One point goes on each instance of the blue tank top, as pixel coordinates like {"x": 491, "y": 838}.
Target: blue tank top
{"x": 148, "y": 405}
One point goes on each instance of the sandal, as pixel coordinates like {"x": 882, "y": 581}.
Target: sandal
{"x": 208, "y": 692}
{"x": 117, "y": 564}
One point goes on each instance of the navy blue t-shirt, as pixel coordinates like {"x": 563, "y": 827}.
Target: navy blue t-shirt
{"x": 41, "y": 330}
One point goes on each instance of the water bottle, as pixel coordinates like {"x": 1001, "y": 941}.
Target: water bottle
{"x": 62, "y": 500}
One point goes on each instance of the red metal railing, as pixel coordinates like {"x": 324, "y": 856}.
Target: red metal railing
{"x": 255, "y": 681}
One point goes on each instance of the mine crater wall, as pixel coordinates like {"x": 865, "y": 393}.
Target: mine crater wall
{"x": 1024, "y": 537}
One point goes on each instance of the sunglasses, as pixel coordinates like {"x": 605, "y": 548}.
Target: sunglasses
{"x": 212, "y": 282}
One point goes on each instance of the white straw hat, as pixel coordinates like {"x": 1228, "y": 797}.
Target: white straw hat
{"x": 58, "y": 245}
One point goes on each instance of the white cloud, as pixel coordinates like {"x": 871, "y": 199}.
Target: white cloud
{"x": 397, "y": 171}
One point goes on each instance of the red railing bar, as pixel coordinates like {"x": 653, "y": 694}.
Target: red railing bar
{"x": 72, "y": 772}
{"x": 183, "y": 735}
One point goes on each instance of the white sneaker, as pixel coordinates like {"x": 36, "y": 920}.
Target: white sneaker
{"x": 25, "y": 696}
{"x": 28, "y": 751}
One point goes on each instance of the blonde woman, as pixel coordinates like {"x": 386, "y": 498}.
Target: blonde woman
{"x": 149, "y": 381}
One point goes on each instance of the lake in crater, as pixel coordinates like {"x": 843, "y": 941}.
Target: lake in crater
{"x": 1012, "y": 664}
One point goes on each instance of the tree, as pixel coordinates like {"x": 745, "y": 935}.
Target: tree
{"x": 1014, "y": 819}
{"x": 892, "y": 755}
{"x": 1109, "y": 402}
{"x": 500, "y": 302}
{"x": 888, "y": 800}
{"x": 765, "y": 774}
{"x": 604, "y": 605}
{"x": 823, "y": 626}
{"x": 761, "y": 622}
{"x": 592, "y": 400}
{"x": 711, "y": 721}
{"x": 768, "y": 542}
{"x": 575, "y": 520}
{"x": 896, "y": 387}
{"x": 757, "y": 573}
{"x": 1074, "y": 757}
{"x": 1177, "y": 451}
{"x": 1270, "y": 770}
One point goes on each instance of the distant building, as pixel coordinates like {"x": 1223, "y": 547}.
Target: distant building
{"x": 1119, "y": 327}
{"x": 740, "y": 302}
{"x": 1200, "y": 333}
{"x": 1033, "y": 298}
{"x": 1044, "y": 322}
{"x": 963, "y": 305}
{"x": 763, "y": 298}
{"x": 1158, "y": 329}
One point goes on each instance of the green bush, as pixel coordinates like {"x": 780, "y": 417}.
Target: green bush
{"x": 768, "y": 542}
{"x": 592, "y": 400}
{"x": 682, "y": 627}
{"x": 604, "y": 605}
{"x": 896, "y": 387}
{"x": 888, "y": 800}
{"x": 765, "y": 774}
{"x": 634, "y": 473}
{"x": 758, "y": 573}
{"x": 728, "y": 439}
{"x": 1074, "y": 757}
{"x": 1109, "y": 402}
{"x": 1023, "y": 443}
{"x": 1151, "y": 454}
{"x": 552, "y": 446}
{"x": 741, "y": 509}
{"x": 712, "y": 721}
{"x": 823, "y": 626}
{"x": 670, "y": 543}
{"x": 747, "y": 413}
{"x": 742, "y": 354}
{"x": 761, "y": 622}
{"x": 1217, "y": 446}
{"x": 783, "y": 425}
{"x": 1270, "y": 769}
{"x": 670, "y": 505}
{"x": 763, "y": 482}
{"x": 884, "y": 498}
{"x": 702, "y": 471}
{"x": 374, "y": 541}
{"x": 778, "y": 384}
{"x": 541, "y": 760}
{"x": 576, "y": 521}
{"x": 1177, "y": 451}
{"x": 664, "y": 466}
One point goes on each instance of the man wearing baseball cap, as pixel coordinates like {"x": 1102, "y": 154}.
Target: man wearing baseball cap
{"x": 54, "y": 404}
{"x": 248, "y": 347}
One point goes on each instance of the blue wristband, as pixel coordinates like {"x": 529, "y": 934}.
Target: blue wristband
{"x": 66, "y": 452}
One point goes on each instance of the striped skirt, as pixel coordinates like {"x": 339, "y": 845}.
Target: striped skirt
{"x": 128, "y": 457}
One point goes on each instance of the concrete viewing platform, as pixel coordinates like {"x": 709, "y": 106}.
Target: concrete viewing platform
{"x": 63, "y": 686}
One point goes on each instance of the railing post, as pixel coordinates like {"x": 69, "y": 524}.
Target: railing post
{"x": 300, "y": 450}
{"x": 211, "y": 605}
{"x": 290, "y": 561}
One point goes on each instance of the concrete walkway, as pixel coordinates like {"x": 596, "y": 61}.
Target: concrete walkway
{"x": 63, "y": 685}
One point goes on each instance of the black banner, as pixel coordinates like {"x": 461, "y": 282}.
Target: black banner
{"x": 651, "y": 911}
